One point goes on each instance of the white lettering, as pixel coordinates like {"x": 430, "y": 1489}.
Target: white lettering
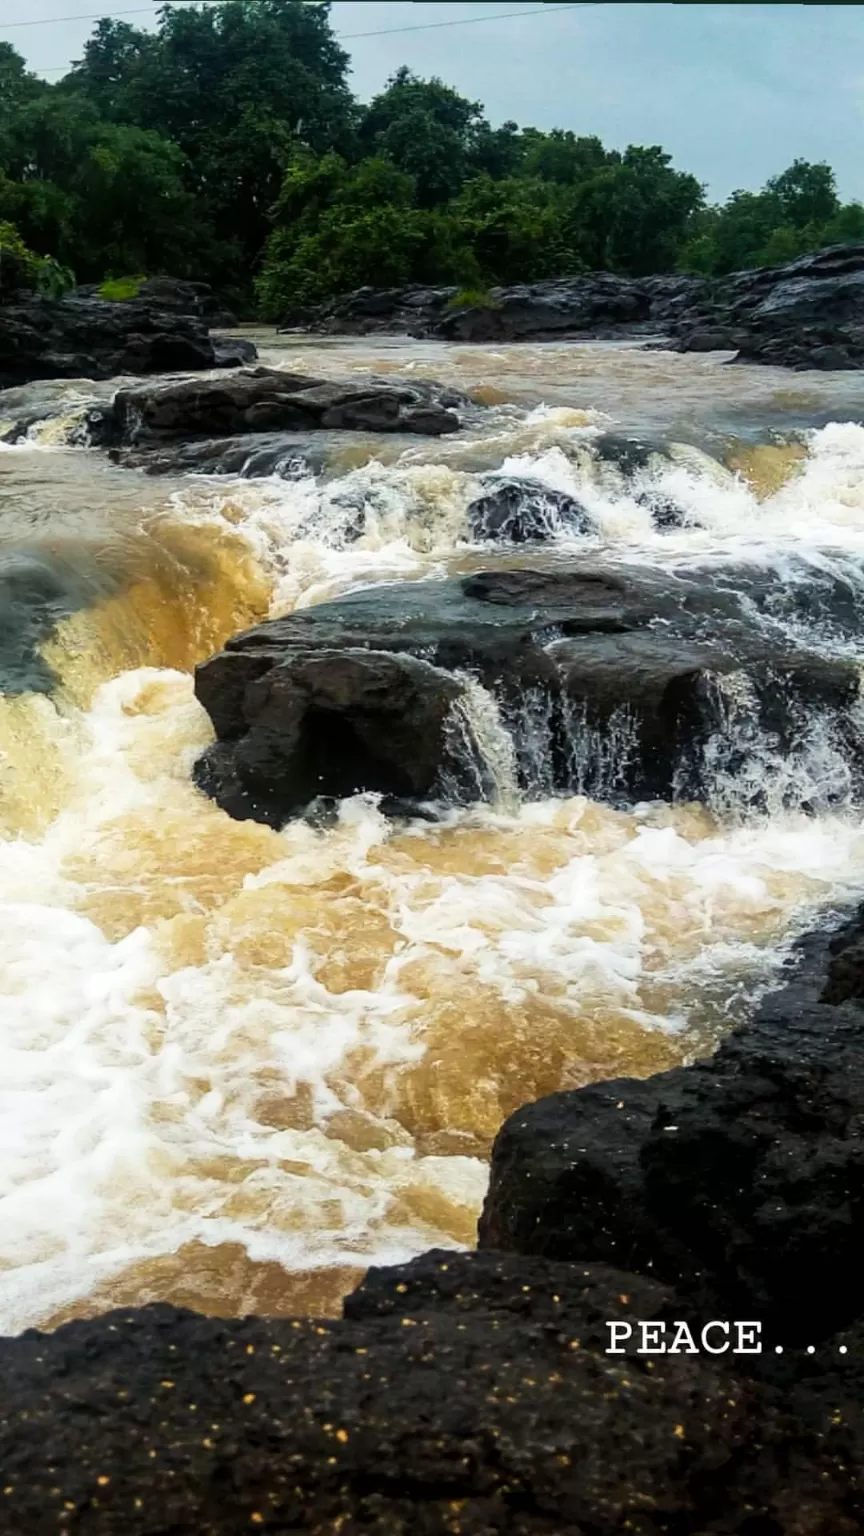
{"x": 718, "y": 1349}
{"x": 618, "y": 1331}
{"x": 683, "y": 1336}
{"x": 747, "y": 1339}
{"x": 651, "y": 1333}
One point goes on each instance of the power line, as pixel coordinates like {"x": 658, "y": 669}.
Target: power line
{"x": 466, "y": 21}
{"x": 549, "y": 9}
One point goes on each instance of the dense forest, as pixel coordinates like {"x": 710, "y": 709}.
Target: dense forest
{"x": 226, "y": 146}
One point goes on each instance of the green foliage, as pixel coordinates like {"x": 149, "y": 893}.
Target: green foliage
{"x": 120, "y": 289}
{"x": 473, "y": 298}
{"x": 225, "y": 146}
{"x": 52, "y": 278}
{"x": 796, "y": 212}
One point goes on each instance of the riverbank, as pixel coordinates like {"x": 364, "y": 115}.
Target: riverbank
{"x": 807, "y": 314}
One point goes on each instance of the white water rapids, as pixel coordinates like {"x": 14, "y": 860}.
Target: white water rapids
{"x": 237, "y": 1065}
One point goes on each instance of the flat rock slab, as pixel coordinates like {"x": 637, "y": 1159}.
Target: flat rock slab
{"x": 462, "y": 1394}
{"x": 359, "y": 694}
{"x": 267, "y": 400}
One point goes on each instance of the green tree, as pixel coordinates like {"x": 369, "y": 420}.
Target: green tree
{"x": 514, "y": 229}
{"x": 807, "y": 194}
{"x": 339, "y": 227}
{"x": 427, "y": 130}
{"x": 237, "y": 88}
{"x": 633, "y": 215}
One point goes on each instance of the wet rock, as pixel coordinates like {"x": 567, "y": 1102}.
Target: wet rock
{"x": 807, "y": 314}
{"x": 331, "y": 723}
{"x": 519, "y": 511}
{"x": 252, "y": 455}
{"x": 598, "y": 304}
{"x": 81, "y": 336}
{"x": 740, "y": 1180}
{"x": 479, "y": 1397}
{"x": 598, "y": 652}
{"x": 267, "y": 400}
{"x": 233, "y": 352}
{"x": 178, "y": 296}
{"x": 845, "y": 971}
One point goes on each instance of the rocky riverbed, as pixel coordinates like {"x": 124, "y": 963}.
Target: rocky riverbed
{"x": 539, "y": 736}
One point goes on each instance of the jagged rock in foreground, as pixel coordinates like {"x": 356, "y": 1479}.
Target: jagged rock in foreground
{"x": 464, "y": 1394}
{"x": 82, "y": 336}
{"x": 807, "y": 314}
{"x": 359, "y": 694}
{"x": 266, "y": 400}
{"x": 739, "y": 1180}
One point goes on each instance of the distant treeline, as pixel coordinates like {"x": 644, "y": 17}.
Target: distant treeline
{"x": 227, "y": 147}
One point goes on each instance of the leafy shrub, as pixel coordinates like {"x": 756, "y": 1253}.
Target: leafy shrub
{"x": 53, "y": 279}
{"x": 473, "y": 298}
{"x": 23, "y": 260}
{"x": 120, "y": 289}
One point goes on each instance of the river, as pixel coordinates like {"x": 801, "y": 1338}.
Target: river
{"x": 239, "y": 1065}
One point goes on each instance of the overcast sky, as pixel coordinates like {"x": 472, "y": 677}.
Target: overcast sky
{"x": 734, "y": 92}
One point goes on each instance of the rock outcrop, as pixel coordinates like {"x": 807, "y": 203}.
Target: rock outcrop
{"x": 462, "y": 1394}
{"x": 359, "y": 694}
{"x": 266, "y": 400}
{"x": 807, "y": 314}
{"x": 740, "y": 1180}
{"x": 83, "y": 336}
{"x": 596, "y": 304}
{"x": 73, "y": 338}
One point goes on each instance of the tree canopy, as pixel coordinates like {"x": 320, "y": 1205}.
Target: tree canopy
{"x": 226, "y": 146}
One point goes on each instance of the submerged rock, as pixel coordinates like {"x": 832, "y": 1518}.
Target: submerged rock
{"x": 460, "y": 1392}
{"x": 266, "y": 400}
{"x": 624, "y": 667}
{"x": 520, "y": 510}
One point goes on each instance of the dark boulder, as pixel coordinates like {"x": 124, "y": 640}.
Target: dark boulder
{"x": 81, "y": 336}
{"x": 267, "y": 400}
{"x": 460, "y": 1393}
{"x": 739, "y": 1180}
{"x": 177, "y": 296}
{"x": 629, "y": 652}
{"x": 807, "y": 314}
{"x": 252, "y": 456}
{"x": 521, "y": 511}
{"x": 332, "y": 723}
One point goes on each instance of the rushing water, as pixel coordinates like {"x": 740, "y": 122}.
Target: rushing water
{"x": 238, "y": 1065}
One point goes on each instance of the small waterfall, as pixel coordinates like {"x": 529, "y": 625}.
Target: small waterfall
{"x": 481, "y": 750}
{"x": 601, "y": 757}
{"x": 744, "y": 767}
